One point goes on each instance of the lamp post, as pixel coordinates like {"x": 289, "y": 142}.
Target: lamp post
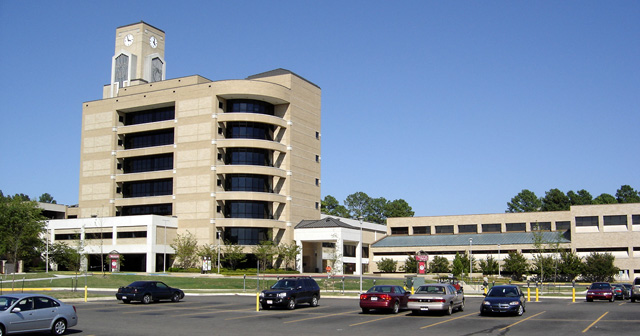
{"x": 470, "y": 258}
{"x": 360, "y": 246}
{"x": 164, "y": 248}
{"x": 47, "y": 263}
{"x": 498, "y": 260}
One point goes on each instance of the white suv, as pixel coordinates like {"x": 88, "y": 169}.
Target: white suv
{"x": 635, "y": 290}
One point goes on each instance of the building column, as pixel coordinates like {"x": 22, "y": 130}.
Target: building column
{"x": 299, "y": 257}
{"x": 339, "y": 256}
{"x": 151, "y": 243}
{"x": 359, "y": 259}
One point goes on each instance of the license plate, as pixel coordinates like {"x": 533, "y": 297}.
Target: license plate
{"x": 124, "y": 297}
{"x": 374, "y": 299}
{"x": 269, "y": 301}
{"x": 424, "y": 308}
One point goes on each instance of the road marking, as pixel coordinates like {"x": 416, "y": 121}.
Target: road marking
{"x": 594, "y": 322}
{"x": 323, "y": 316}
{"x": 209, "y": 311}
{"x": 530, "y": 317}
{"x": 378, "y": 319}
{"x": 273, "y": 313}
{"x": 449, "y": 320}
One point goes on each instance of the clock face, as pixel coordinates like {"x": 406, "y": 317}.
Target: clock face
{"x": 128, "y": 40}
{"x": 153, "y": 41}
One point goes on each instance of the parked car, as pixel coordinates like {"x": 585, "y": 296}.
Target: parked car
{"x": 635, "y": 290}
{"x": 600, "y": 291}
{"x": 440, "y": 297}
{"x": 21, "y": 313}
{"x": 628, "y": 287}
{"x": 289, "y": 292}
{"x": 392, "y": 298}
{"x": 504, "y": 299}
{"x": 147, "y": 291}
{"x": 620, "y": 292}
{"x": 452, "y": 281}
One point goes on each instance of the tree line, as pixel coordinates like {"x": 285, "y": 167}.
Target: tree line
{"x": 557, "y": 200}
{"x": 360, "y": 205}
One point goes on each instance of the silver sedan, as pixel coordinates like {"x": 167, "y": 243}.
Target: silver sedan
{"x": 437, "y": 296}
{"x": 21, "y": 313}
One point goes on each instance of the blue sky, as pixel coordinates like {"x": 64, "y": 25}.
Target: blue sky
{"x": 453, "y": 106}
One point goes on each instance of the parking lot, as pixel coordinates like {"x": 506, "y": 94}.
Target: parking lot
{"x": 237, "y": 315}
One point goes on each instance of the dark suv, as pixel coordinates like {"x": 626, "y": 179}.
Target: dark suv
{"x": 288, "y": 292}
{"x": 635, "y": 290}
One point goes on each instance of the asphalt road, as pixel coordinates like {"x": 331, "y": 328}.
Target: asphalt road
{"x": 237, "y": 315}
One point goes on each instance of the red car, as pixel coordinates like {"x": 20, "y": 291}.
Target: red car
{"x": 392, "y": 298}
{"x": 600, "y": 291}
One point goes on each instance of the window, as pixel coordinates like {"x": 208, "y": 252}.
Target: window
{"x": 563, "y": 226}
{"x": 97, "y": 235}
{"x": 349, "y": 250}
{"x": 614, "y": 220}
{"x": 587, "y": 221}
{"x": 249, "y": 130}
{"x": 132, "y": 234}
{"x": 149, "y": 116}
{"x": 249, "y": 106}
{"x": 247, "y": 209}
{"x": 148, "y": 188}
{"x": 468, "y": 228}
{"x": 399, "y": 230}
{"x": 42, "y": 302}
{"x": 67, "y": 236}
{"x": 248, "y": 156}
{"x": 331, "y": 245}
{"x": 421, "y": 230}
{"x": 444, "y": 229}
{"x": 149, "y": 139}
{"x": 152, "y": 209}
{"x": 491, "y": 228}
{"x": 516, "y": 227}
{"x": 635, "y": 219}
{"x": 245, "y": 236}
{"x": 248, "y": 182}
{"x": 148, "y": 163}
{"x": 541, "y": 226}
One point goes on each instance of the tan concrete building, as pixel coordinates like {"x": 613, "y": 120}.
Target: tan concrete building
{"x": 611, "y": 228}
{"x": 231, "y": 160}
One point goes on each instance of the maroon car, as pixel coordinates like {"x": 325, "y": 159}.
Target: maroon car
{"x": 392, "y": 298}
{"x": 600, "y": 291}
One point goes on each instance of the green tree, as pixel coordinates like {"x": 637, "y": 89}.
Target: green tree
{"x": 555, "y": 200}
{"x": 489, "y": 266}
{"x": 398, "y": 208}
{"x": 439, "y": 265}
{"x": 357, "y": 204}
{"x": 65, "y": 256}
{"x": 605, "y": 199}
{"x": 46, "y": 198}
{"x": 264, "y": 252}
{"x": 570, "y": 265}
{"x": 374, "y": 210}
{"x": 599, "y": 267}
{"x": 387, "y": 265}
{"x": 515, "y": 264}
{"x": 524, "y": 201}
{"x": 410, "y": 265}
{"x": 186, "y": 250}
{"x": 288, "y": 253}
{"x": 626, "y": 194}
{"x": 210, "y": 251}
{"x": 460, "y": 266}
{"x": 21, "y": 228}
{"x": 233, "y": 255}
{"x": 331, "y": 206}
{"x": 582, "y": 197}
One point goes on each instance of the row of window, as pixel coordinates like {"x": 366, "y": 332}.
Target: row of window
{"x": 606, "y": 220}
{"x": 97, "y": 235}
{"x": 248, "y": 182}
{"x": 245, "y": 236}
{"x": 486, "y": 228}
{"x": 149, "y": 139}
{"x": 148, "y": 163}
{"x": 148, "y": 116}
{"x": 249, "y": 130}
{"x": 161, "y": 187}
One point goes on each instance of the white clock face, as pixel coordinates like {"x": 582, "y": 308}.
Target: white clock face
{"x": 153, "y": 42}
{"x": 128, "y": 40}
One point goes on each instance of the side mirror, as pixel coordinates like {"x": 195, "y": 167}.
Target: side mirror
{"x": 16, "y": 310}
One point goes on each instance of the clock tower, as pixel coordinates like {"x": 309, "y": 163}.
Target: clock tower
{"x": 138, "y": 57}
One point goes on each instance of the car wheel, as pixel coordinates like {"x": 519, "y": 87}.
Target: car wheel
{"x": 126, "y": 301}
{"x": 461, "y": 308}
{"x": 314, "y": 301}
{"x": 396, "y": 307}
{"x": 146, "y": 299}
{"x": 520, "y": 310}
{"x": 1, "y": 330}
{"x": 449, "y": 310}
{"x": 59, "y": 327}
{"x": 292, "y": 304}
{"x": 175, "y": 297}
{"x": 365, "y": 310}
{"x": 265, "y": 306}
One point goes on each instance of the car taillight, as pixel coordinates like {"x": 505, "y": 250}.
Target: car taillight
{"x": 414, "y": 300}
{"x": 437, "y": 300}
{"x": 363, "y": 296}
{"x": 385, "y": 297}
{"x": 74, "y": 309}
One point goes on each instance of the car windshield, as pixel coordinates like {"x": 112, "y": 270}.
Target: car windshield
{"x": 430, "y": 290}
{"x": 6, "y": 302}
{"x": 600, "y": 286}
{"x": 284, "y": 284}
{"x": 503, "y": 292}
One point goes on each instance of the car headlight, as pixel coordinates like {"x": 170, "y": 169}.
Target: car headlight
{"x": 514, "y": 303}
{"x": 282, "y": 295}
{"x": 486, "y": 303}
{"x": 261, "y": 294}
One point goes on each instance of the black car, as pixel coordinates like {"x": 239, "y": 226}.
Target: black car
{"x": 288, "y": 292}
{"x": 503, "y": 299}
{"x": 147, "y": 291}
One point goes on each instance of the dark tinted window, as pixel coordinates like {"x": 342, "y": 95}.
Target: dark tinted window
{"x": 517, "y": 227}
{"x": 42, "y": 302}
{"x": 148, "y": 163}
{"x": 614, "y": 220}
{"x": 245, "y": 236}
{"x": 248, "y": 156}
{"x": 491, "y": 227}
{"x": 249, "y": 106}
{"x": 148, "y": 139}
{"x": 399, "y": 230}
{"x": 421, "y": 230}
{"x": 444, "y": 229}
{"x": 470, "y": 228}
{"x": 151, "y": 209}
{"x": 142, "y": 117}
{"x": 563, "y": 226}
{"x": 147, "y": 188}
{"x": 249, "y": 130}
{"x": 541, "y": 226}
{"x": 247, "y": 182}
{"x": 587, "y": 221}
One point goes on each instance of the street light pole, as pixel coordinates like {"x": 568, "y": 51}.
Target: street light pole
{"x": 360, "y": 259}
{"x": 470, "y": 258}
{"x": 498, "y": 260}
{"x": 164, "y": 248}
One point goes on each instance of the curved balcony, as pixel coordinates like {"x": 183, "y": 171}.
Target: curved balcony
{"x": 251, "y": 143}
{"x": 253, "y": 117}
{"x": 250, "y": 196}
{"x": 250, "y": 169}
{"x": 143, "y": 200}
{"x": 250, "y": 222}
{"x": 155, "y": 150}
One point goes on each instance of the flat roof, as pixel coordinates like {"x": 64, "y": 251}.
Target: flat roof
{"x": 512, "y": 238}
